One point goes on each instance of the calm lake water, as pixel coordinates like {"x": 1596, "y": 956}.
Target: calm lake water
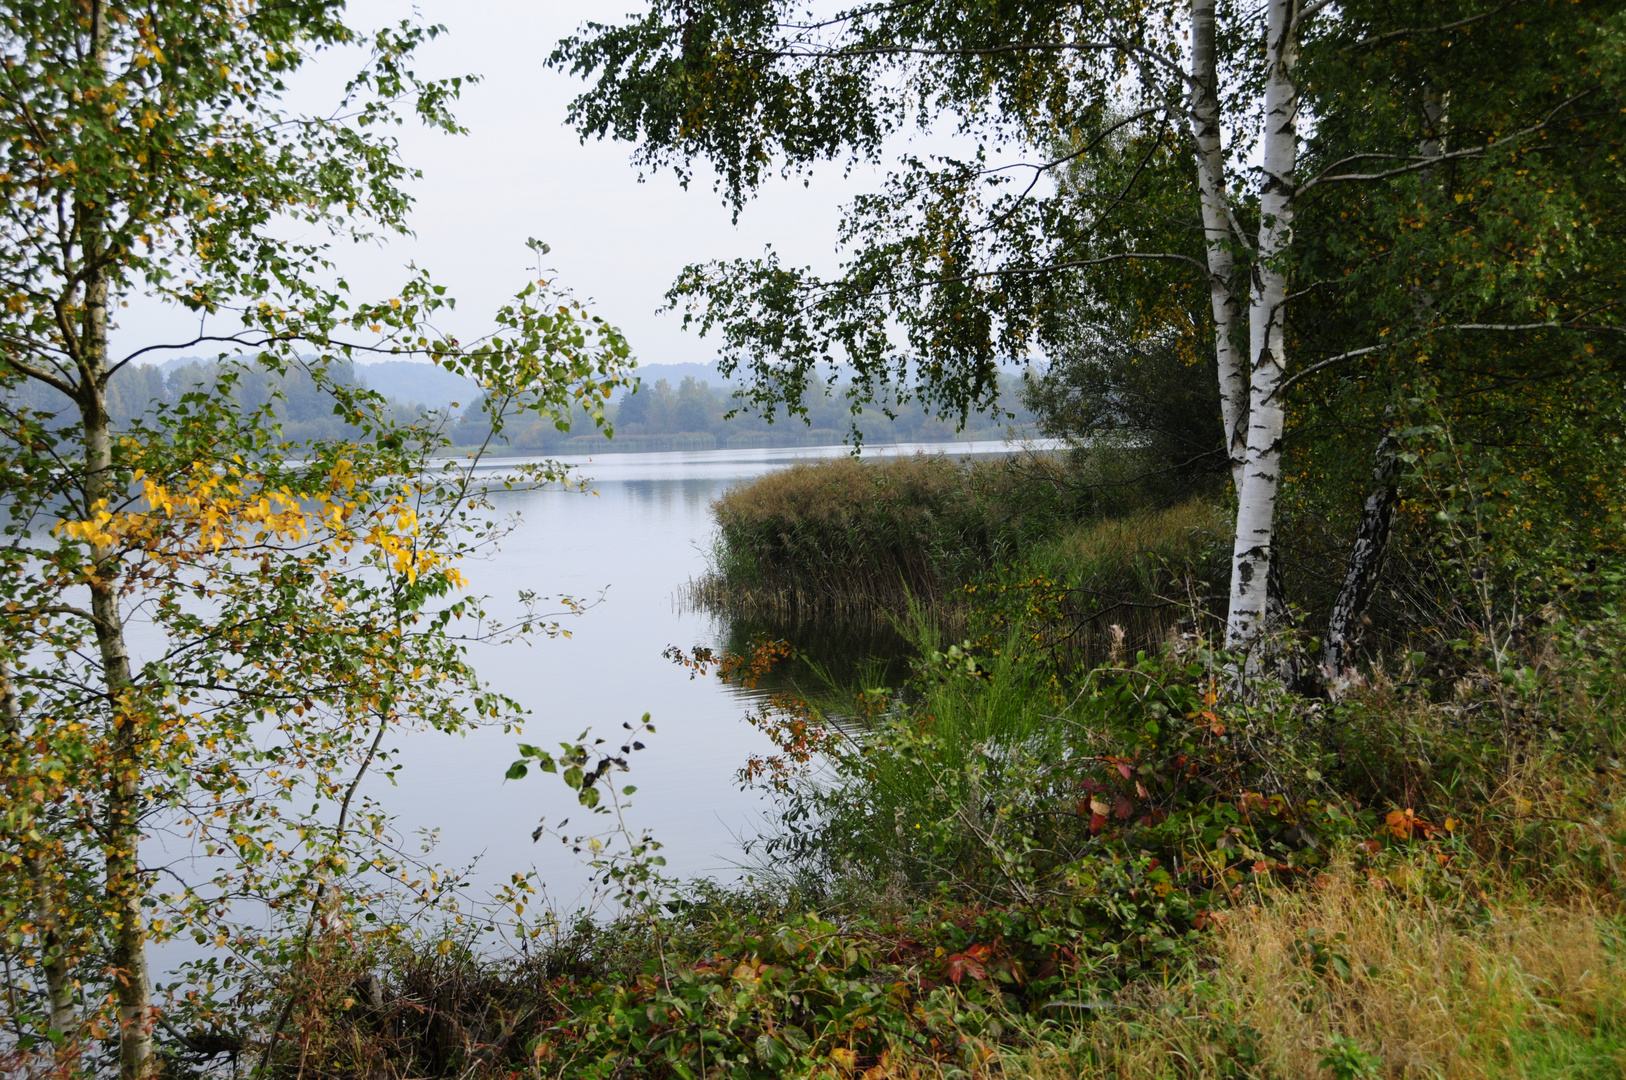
{"x": 639, "y": 538}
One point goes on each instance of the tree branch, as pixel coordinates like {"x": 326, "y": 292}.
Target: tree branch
{"x": 39, "y": 375}
{"x": 1466, "y": 327}
{"x": 1282, "y": 386}
{"x": 236, "y": 339}
{"x": 1018, "y": 271}
{"x": 1040, "y": 170}
{"x": 1307, "y": 11}
{"x": 1459, "y": 24}
{"x": 1420, "y": 163}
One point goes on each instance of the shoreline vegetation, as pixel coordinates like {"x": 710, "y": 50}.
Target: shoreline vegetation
{"x": 853, "y": 540}
{"x": 1059, "y": 844}
{"x": 1275, "y": 731}
{"x": 1053, "y": 855}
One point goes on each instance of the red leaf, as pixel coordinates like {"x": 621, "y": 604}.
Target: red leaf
{"x": 1123, "y": 770}
{"x": 1122, "y": 808}
{"x": 962, "y": 964}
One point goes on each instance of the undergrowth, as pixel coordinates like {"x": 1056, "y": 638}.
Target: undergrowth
{"x": 1025, "y": 862}
{"x": 1125, "y": 874}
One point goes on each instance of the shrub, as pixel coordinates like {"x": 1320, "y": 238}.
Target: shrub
{"x": 1102, "y": 590}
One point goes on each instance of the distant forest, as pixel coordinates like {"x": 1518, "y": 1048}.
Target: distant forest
{"x": 689, "y": 416}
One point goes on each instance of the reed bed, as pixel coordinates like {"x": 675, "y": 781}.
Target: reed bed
{"x": 852, "y": 539}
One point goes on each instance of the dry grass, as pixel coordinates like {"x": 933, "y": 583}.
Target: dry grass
{"x": 1418, "y": 988}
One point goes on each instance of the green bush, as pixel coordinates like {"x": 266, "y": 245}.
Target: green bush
{"x": 1101, "y": 590}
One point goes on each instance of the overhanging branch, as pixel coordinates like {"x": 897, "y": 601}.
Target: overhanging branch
{"x": 1421, "y": 162}
{"x": 1333, "y": 361}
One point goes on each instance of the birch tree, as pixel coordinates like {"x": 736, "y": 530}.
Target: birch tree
{"x": 1109, "y": 149}
{"x": 304, "y": 595}
{"x": 967, "y": 258}
{"x": 1221, "y": 232}
{"x": 1267, "y": 329}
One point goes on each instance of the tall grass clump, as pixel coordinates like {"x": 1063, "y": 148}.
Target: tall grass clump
{"x": 1361, "y": 977}
{"x": 847, "y": 537}
{"x": 1109, "y": 587}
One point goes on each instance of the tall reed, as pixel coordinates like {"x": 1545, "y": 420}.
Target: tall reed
{"x": 846, "y": 537}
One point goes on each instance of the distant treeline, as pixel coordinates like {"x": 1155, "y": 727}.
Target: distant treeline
{"x": 303, "y": 410}
{"x": 657, "y": 417}
{"x": 691, "y": 416}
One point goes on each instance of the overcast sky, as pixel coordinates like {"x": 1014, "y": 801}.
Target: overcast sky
{"x": 521, "y": 172}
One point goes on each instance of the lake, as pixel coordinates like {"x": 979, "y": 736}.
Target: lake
{"x": 641, "y": 535}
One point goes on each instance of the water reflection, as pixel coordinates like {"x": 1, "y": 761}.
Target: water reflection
{"x": 637, "y": 541}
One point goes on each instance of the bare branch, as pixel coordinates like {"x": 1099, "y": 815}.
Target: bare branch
{"x": 1425, "y": 162}
{"x": 39, "y": 375}
{"x": 235, "y": 339}
{"x": 1420, "y": 30}
{"x": 1501, "y": 328}
{"x": 1331, "y": 361}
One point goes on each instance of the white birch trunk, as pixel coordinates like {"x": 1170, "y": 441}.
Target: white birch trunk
{"x": 1256, "y": 501}
{"x": 1217, "y": 234}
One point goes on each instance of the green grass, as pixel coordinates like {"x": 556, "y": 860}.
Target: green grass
{"x": 1564, "y": 1053}
{"x": 1144, "y": 572}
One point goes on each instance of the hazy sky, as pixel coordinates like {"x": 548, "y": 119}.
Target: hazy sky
{"x": 520, "y": 172}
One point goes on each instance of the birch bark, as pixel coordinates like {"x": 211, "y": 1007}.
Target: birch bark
{"x": 1365, "y": 564}
{"x": 1218, "y": 236}
{"x": 123, "y": 882}
{"x": 1256, "y": 501}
